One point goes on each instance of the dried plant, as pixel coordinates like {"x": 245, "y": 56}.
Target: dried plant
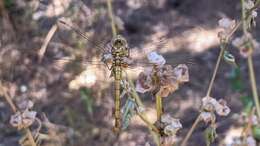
{"x": 160, "y": 80}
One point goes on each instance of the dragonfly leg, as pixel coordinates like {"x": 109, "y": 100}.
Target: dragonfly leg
{"x": 107, "y": 66}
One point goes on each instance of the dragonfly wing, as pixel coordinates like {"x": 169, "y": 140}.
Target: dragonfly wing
{"x": 102, "y": 45}
{"x": 183, "y": 59}
{"x": 62, "y": 63}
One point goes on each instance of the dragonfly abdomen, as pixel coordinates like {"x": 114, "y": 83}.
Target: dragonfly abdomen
{"x": 118, "y": 76}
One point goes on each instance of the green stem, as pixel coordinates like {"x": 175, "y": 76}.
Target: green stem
{"x": 134, "y": 94}
{"x": 159, "y": 106}
{"x": 111, "y": 16}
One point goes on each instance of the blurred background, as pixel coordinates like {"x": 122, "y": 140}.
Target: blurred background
{"x": 79, "y": 98}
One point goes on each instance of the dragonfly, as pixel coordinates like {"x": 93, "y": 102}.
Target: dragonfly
{"x": 116, "y": 57}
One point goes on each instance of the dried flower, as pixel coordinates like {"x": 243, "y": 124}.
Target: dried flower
{"x": 211, "y": 105}
{"x": 226, "y": 25}
{"x": 23, "y": 120}
{"x": 221, "y": 108}
{"x": 170, "y": 125}
{"x": 144, "y": 83}
{"x": 25, "y": 117}
{"x": 161, "y": 78}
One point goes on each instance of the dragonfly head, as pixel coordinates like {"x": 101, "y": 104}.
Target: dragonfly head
{"x": 119, "y": 43}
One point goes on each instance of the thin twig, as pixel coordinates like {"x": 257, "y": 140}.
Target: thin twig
{"x": 215, "y": 70}
{"x": 46, "y": 42}
{"x": 8, "y": 99}
{"x": 194, "y": 125}
{"x": 253, "y": 84}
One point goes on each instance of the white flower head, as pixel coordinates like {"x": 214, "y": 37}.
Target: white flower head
{"x": 226, "y": 23}
{"x": 23, "y": 88}
{"x": 155, "y": 58}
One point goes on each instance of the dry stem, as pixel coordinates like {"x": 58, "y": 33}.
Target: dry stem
{"x": 250, "y": 58}
{"x": 46, "y": 42}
